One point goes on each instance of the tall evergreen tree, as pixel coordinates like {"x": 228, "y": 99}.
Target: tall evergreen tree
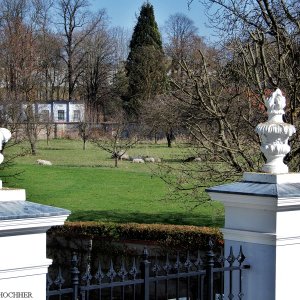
{"x": 145, "y": 66}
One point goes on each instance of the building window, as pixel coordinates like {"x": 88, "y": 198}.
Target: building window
{"x": 76, "y": 116}
{"x": 45, "y": 115}
{"x": 61, "y": 115}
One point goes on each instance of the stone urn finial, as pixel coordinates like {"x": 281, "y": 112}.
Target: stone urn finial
{"x": 274, "y": 135}
{"x": 5, "y": 136}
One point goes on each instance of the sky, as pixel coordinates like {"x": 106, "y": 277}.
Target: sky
{"x": 124, "y": 13}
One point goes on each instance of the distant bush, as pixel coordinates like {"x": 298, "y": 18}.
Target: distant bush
{"x": 165, "y": 236}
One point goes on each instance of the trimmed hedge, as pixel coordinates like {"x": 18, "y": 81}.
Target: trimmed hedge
{"x": 165, "y": 236}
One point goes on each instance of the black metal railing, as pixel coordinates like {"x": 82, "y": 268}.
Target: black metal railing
{"x": 194, "y": 277}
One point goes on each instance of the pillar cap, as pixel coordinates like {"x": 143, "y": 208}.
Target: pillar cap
{"x": 271, "y": 178}
{"x": 11, "y": 210}
{"x": 262, "y": 184}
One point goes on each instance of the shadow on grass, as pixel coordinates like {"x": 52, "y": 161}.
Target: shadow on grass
{"x": 138, "y": 217}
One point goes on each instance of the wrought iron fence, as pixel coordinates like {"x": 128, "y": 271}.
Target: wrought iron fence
{"x": 192, "y": 278}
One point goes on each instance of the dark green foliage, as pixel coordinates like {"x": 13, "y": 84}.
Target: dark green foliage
{"x": 145, "y": 66}
{"x": 146, "y": 31}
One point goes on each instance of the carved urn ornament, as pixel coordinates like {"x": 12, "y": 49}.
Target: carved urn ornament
{"x": 5, "y": 135}
{"x": 274, "y": 135}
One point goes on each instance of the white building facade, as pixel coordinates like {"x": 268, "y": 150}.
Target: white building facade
{"x": 61, "y": 111}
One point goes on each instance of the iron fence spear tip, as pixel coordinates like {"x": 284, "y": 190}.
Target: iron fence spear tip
{"x": 231, "y": 257}
{"x": 210, "y": 243}
{"x": 241, "y": 257}
{"x": 145, "y": 254}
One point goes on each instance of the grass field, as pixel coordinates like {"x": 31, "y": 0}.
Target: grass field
{"x": 86, "y": 183}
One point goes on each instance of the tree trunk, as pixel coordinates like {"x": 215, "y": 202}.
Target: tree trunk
{"x": 55, "y": 131}
{"x": 170, "y": 138}
{"x": 33, "y": 148}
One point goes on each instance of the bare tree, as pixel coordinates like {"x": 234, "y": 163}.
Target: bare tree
{"x": 116, "y": 142}
{"x": 25, "y": 48}
{"x": 11, "y": 116}
{"x": 121, "y": 39}
{"x": 265, "y": 36}
{"x": 49, "y": 47}
{"x": 86, "y": 127}
{"x": 77, "y": 23}
{"x": 20, "y": 66}
{"x": 32, "y": 127}
{"x": 181, "y": 33}
{"x": 84, "y": 130}
{"x": 219, "y": 113}
{"x": 47, "y": 122}
{"x": 97, "y": 72}
{"x": 221, "y": 90}
{"x": 162, "y": 115}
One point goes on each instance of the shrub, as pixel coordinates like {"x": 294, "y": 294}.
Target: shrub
{"x": 165, "y": 236}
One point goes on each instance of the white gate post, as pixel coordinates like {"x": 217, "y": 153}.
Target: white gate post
{"x": 262, "y": 213}
{"x": 23, "y": 226}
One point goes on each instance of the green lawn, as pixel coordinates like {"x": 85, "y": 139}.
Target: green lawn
{"x": 86, "y": 183}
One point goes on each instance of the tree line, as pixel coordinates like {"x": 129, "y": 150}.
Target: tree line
{"x": 58, "y": 50}
{"x": 215, "y": 92}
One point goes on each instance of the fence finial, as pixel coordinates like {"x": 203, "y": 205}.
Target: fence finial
{"x": 145, "y": 254}
{"x": 274, "y": 135}
{"x": 75, "y": 276}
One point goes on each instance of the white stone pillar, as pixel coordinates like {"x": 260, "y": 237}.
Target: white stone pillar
{"x": 262, "y": 213}
{"x": 23, "y": 262}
